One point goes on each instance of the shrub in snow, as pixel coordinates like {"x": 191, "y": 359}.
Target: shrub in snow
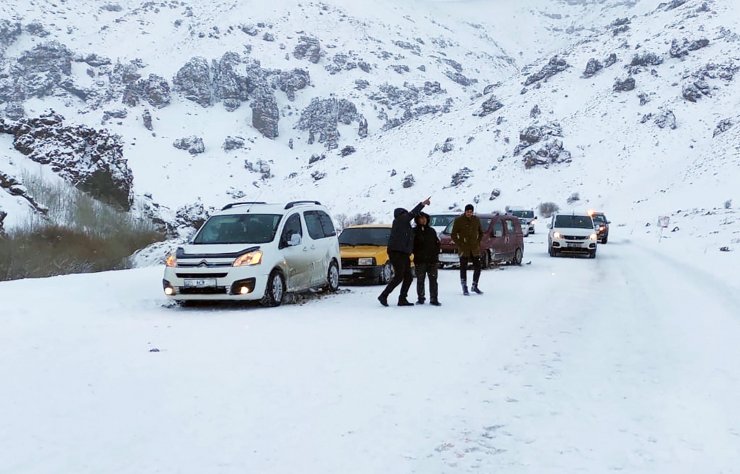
{"x": 408, "y": 181}
{"x": 575, "y": 197}
{"x": 728, "y": 204}
{"x": 461, "y": 176}
{"x": 547, "y": 209}
{"x": 344, "y": 220}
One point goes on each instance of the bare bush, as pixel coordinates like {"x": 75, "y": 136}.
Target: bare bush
{"x": 78, "y": 235}
{"x": 343, "y": 220}
{"x": 547, "y": 209}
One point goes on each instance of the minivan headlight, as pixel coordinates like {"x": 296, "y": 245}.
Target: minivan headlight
{"x": 366, "y": 261}
{"x": 557, "y": 235}
{"x": 592, "y": 237}
{"x": 249, "y": 258}
{"x": 171, "y": 260}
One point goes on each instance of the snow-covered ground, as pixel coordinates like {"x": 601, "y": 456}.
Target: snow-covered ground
{"x": 622, "y": 363}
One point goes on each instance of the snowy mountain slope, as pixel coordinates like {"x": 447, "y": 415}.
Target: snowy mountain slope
{"x": 616, "y": 154}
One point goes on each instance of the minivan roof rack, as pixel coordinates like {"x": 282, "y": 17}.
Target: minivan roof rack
{"x": 296, "y": 203}
{"x": 243, "y": 203}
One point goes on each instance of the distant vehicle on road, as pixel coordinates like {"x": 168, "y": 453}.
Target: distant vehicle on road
{"x": 526, "y": 217}
{"x": 601, "y": 224}
{"x": 571, "y": 233}
{"x": 503, "y": 242}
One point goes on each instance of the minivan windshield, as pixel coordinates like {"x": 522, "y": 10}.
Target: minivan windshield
{"x": 440, "y": 221}
{"x": 523, "y": 214}
{"x": 239, "y": 229}
{"x": 574, "y": 222}
{"x": 365, "y": 236}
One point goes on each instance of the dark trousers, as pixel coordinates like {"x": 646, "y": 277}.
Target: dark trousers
{"x": 464, "y": 269}
{"x": 401, "y": 263}
{"x": 424, "y": 270}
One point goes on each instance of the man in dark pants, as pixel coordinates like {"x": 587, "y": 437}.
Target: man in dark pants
{"x": 400, "y": 246}
{"x": 467, "y": 234}
{"x": 426, "y": 259}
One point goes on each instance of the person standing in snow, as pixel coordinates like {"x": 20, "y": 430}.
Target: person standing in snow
{"x": 426, "y": 259}
{"x": 400, "y": 246}
{"x": 467, "y": 234}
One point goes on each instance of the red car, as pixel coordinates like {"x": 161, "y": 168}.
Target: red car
{"x": 503, "y": 242}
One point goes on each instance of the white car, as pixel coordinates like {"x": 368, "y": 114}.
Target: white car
{"x": 571, "y": 233}
{"x": 256, "y": 251}
{"x": 526, "y": 217}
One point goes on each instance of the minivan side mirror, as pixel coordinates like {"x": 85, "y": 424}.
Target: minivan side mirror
{"x": 549, "y": 225}
{"x": 295, "y": 239}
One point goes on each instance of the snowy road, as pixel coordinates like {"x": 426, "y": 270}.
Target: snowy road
{"x": 623, "y": 363}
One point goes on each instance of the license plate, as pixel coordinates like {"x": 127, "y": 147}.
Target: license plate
{"x": 200, "y": 282}
{"x": 346, "y": 272}
{"x": 573, "y": 244}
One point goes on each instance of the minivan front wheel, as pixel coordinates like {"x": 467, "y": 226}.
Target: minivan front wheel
{"x": 332, "y": 277}
{"x": 275, "y": 290}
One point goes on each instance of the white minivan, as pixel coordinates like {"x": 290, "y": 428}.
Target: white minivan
{"x": 256, "y": 251}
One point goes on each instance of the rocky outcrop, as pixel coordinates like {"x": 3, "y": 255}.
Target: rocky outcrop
{"x": 323, "y": 116}
{"x": 624, "y": 85}
{"x": 265, "y": 112}
{"x": 666, "y": 119}
{"x": 695, "y": 90}
{"x": 14, "y": 110}
{"x": 489, "y": 106}
{"x": 551, "y": 152}
{"x": 229, "y": 85}
{"x": 308, "y": 48}
{"x": 291, "y": 81}
{"x": 193, "y": 144}
{"x": 681, "y": 49}
{"x": 262, "y": 167}
{"x": 592, "y": 67}
{"x": 536, "y": 133}
{"x": 146, "y": 117}
{"x": 193, "y": 81}
{"x": 91, "y": 160}
{"x": 408, "y": 181}
{"x": 555, "y": 66}
{"x": 37, "y": 73}
{"x": 9, "y": 32}
{"x": 233, "y": 143}
{"x": 460, "y": 176}
{"x": 722, "y": 127}
{"x": 154, "y": 90}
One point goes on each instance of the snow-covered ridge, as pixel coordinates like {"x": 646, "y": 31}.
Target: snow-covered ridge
{"x": 630, "y": 104}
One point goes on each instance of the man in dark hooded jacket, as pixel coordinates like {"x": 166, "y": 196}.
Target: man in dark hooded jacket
{"x": 426, "y": 259}
{"x": 400, "y": 246}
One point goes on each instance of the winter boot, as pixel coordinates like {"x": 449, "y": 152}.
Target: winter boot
{"x": 435, "y": 303}
{"x": 476, "y": 289}
{"x": 404, "y": 302}
{"x": 420, "y": 301}
{"x": 383, "y": 299}
{"x": 465, "y": 290}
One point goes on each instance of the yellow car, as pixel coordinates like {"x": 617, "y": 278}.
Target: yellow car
{"x": 364, "y": 253}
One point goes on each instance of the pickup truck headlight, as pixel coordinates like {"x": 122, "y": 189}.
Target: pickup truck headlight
{"x": 366, "y": 261}
{"x": 249, "y": 258}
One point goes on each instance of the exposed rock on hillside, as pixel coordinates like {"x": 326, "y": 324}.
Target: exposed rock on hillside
{"x": 322, "y": 117}
{"x": 554, "y": 66}
{"x": 193, "y": 81}
{"x": 91, "y": 160}
{"x": 194, "y": 145}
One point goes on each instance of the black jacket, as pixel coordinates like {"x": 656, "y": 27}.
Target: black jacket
{"x": 402, "y": 234}
{"x": 426, "y": 245}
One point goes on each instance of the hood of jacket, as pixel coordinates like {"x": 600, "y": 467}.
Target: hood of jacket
{"x": 399, "y": 211}
{"x": 421, "y": 214}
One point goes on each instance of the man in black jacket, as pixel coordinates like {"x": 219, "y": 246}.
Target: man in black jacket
{"x": 400, "y": 246}
{"x": 426, "y": 259}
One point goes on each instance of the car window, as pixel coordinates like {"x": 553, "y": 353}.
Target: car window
{"x": 365, "y": 236}
{"x": 485, "y": 223}
{"x": 498, "y": 229}
{"x": 574, "y": 222}
{"x": 292, "y": 226}
{"x": 599, "y": 218}
{"x": 439, "y": 221}
{"x": 509, "y": 227}
{"x": 326, "y": 224}
{"x": 239, "y": 229}
{"x": 524, "y": 214}
{"x": 313, "y": 225}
